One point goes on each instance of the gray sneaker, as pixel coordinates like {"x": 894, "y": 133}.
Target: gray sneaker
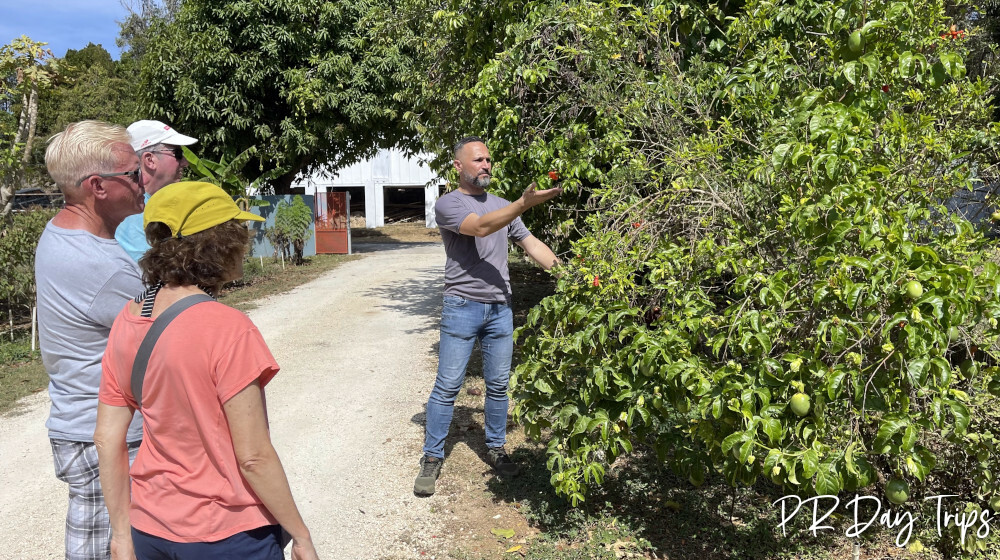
{"x": 501, "y": 462}
{"x": 430, "y": 470}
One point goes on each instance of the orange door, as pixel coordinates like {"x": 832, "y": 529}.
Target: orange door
{"x": 333, "y": 225}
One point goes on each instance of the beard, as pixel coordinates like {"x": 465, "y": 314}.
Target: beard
{"x": 479, "y": 181}
{"x": 482, "y": 181}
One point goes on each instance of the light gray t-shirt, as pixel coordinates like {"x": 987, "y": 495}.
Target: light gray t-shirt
{"x": 83, "y": 281}
{"x": 476, "y": 267}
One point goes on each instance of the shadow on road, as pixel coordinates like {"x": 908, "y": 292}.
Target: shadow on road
{"x": 418, "y": 296}
{"x": 466, "y": 428}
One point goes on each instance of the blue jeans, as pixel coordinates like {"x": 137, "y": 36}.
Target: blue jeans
{"x": 464, "y": 321}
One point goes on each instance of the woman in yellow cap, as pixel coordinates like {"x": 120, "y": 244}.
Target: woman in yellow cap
{"x": 206, "y": 482}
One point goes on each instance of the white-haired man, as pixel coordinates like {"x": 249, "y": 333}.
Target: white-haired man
{"x": 83, "y": 280}
{"x": 162, "y": 159}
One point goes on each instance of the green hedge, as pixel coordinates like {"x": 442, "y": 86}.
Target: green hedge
{"x": 18, "y": 239}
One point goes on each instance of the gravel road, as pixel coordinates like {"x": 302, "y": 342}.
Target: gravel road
{"x": 357, "y": 349}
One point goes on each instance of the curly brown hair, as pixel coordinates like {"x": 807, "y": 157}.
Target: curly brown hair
{"x": 207, "y": 258}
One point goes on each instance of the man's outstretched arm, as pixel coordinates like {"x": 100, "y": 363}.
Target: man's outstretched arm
{"x": 491, "y": 222}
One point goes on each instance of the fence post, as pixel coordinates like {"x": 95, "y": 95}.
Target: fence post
{"x": 34, "y": 326}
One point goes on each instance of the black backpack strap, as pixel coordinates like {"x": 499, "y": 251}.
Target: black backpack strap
{"x": 146, "y": 348}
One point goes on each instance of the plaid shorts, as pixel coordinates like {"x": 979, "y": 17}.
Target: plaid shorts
{"x": 88, "y": 527}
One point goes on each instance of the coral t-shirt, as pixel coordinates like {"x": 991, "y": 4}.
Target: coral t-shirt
{"x": 186, "y": 481}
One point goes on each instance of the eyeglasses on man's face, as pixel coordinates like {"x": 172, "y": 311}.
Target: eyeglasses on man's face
{"x": 176, "y": 151}
{"x": 135, "y": 176}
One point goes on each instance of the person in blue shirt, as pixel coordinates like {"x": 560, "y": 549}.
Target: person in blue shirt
{"x": 162, "y": 161}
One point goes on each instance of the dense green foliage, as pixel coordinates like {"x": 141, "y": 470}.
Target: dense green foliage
{"x": 18, "y": 239}
{"x": 755, "y": 189}
{"x": 90, "y": 86}
{"x": 302, "y": 82}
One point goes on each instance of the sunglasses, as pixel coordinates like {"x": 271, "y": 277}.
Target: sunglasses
{"x": 135, "y": 176}
{"x": 176, "y": 151}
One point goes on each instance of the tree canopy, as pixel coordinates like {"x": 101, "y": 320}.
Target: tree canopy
{"x": 91, "y": 85}
{"x": 302, "y": 84}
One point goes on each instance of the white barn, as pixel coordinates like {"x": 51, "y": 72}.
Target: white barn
{"x": 389, "y": 183}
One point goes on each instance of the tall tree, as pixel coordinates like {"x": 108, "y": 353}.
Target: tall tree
{"x": 142, "y": 14}
{"x": 90, "y": 86}
{"x": 301, "y": 83}
{"x": 23, "y": 74}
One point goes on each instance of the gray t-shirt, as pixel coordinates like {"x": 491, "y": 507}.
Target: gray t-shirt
{"x": 476, "y": 267}
{"x": 83, "y": 281}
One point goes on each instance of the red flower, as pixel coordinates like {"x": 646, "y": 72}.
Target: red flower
{"x": 885, "y": 89}
{"x": 637, "y": 225}
{"x": 597, "y": 281}
{"x": 553, "y": 175}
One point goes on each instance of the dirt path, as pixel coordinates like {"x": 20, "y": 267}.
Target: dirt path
{"x": 358, "y": 353}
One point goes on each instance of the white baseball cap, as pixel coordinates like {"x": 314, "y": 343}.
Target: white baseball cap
{"x": 147, "y": 133}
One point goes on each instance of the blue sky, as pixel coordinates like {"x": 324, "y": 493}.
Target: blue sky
{"x": 63, "y": 24}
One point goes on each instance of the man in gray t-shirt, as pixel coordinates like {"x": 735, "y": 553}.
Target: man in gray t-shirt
{"x": 475, "y": 226}
{"x": 84, "y": 279}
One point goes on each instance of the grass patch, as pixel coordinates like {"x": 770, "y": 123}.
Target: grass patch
{"x": 266, "y": 277}
{"x": 21, "y": 371}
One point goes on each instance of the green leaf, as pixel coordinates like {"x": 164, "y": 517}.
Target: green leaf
{"x": 909, "y": 438}
{"x": 832, "y": 164}
{"x": 503, "y": 533}
{"x": 866, "y": 473}
{"x": 859, "y": 262}
{"x": 809, "y": 99}
{"x": 601, "y": 379}
{"x": 907, "y": 67}
{"x": 920, "y": 463}
{"x": 543, "y": 386}
{"x": 731, "y": 440}
{"x": 779, "y": 156}
{"x": 953, "y": 65}
{"x": 917, "y": 370}
{"x": 851, "y": 70}
{"x": 773, "y": 429}
{"x": 890, "y": 427}
{"x": 810, "y": 463}
{"x": 962, "y": 416}
{"x": 852, "y": 467}
{"x": 828, "y": 479}
{"x": 581, "y": 426}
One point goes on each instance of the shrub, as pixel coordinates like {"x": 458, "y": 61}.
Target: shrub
{"x": 18, "y": 239}
{"x": 292, "y": 228}
{"x": 765, "y": 216}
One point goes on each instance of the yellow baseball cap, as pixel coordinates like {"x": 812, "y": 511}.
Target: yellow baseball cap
{"x": 192, "y": 206}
